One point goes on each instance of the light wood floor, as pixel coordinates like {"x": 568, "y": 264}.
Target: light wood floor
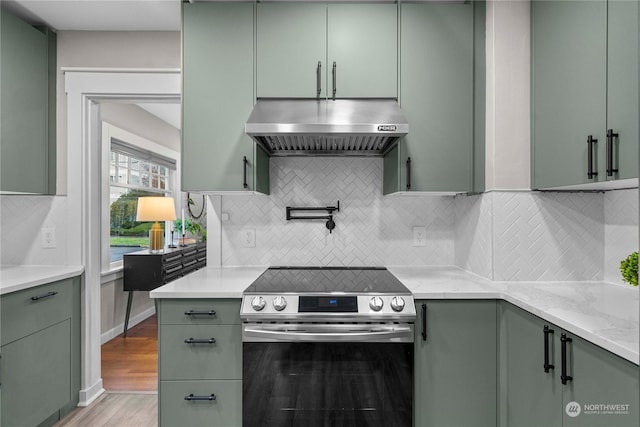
{"x": 130, "y": 376}
{"x": 131, "y": 363}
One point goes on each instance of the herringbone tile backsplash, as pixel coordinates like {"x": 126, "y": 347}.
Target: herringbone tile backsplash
{"x": 370, "y": 229}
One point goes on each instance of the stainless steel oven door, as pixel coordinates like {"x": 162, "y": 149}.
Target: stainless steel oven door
{"x": 318, "y": 375}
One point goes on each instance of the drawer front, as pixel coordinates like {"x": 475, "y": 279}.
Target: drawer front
{"x": 172, "y": 311}
{"x": 28, "y": 311}
{"x": 224, "y": 411}
{"x": 184, "y": 361}
{"x": 36, "y": 376}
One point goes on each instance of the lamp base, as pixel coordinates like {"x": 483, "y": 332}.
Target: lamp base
{"x": 155, "y": 238}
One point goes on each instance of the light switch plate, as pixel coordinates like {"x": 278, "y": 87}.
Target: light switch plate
{"x": 48, "y": 237}
{"x": 248, "y": 236}
{"x": 419, "y": 236}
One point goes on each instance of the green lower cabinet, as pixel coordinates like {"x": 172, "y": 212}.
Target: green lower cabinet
{"x": 530, "y": 397}
{"x": 604, "y": 385}
{"x": 455, "y": 366}
{"x": 602, "y": 391}
{"x": 36, "y": 368}
{"x": 213, "y": 403}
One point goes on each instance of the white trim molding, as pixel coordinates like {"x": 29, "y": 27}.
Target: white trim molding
{"x": 84, "y": 89}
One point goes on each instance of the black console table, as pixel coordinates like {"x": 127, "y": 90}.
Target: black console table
{"x": 145, "y": 271}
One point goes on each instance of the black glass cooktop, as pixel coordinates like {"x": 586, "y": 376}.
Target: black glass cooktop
{"x": 352, "y": 280}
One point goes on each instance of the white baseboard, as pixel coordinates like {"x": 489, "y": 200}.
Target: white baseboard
{"x": 133, "y": 320}
{"x": 90, "y": 394}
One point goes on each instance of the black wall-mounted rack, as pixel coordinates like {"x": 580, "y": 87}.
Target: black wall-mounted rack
{"x": 329, "y": 218}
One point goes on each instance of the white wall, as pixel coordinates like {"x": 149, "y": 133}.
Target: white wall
{"x": 108, "y": 49}
{"x": 508, "y": 95}
{"x": 620, "y": 230}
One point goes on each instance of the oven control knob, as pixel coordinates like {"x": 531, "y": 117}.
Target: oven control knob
{"x": 397, "y": 303}
{"x": 279, "y": 303}
{"x": 376, "y": 303}
{"x": 258, "y": 303}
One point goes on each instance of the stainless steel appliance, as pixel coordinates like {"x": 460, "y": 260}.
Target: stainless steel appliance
{"x": 327, "y": 346}
{"x": 341, "y": 127}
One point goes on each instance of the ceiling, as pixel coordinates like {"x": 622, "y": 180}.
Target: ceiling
{"x": 100, "y": 15}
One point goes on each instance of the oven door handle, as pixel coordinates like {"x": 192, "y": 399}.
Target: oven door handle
{"x": 374, "y": 334}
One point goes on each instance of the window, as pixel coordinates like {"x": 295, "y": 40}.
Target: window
{"x": 135, "y": 170}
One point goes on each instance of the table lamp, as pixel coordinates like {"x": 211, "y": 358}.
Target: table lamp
{"x": 155, "y": 209}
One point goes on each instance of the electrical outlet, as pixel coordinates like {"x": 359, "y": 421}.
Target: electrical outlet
{"x": 224, "y": 216}
{"x": 248, "y": 238}
{"x": 419, "y": 236}
{"x": 48, "y": 237}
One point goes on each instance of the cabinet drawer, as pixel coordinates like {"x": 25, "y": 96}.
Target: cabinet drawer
{"x": 36, "y": 376}
{"x": 225, "y": 410}
{"x": 184, "y": 361}
{"x": 28, "y": 311}
{"x": 173, "y": 311}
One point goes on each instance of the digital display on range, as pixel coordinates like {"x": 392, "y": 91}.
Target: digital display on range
{"x": 322, "y": 304}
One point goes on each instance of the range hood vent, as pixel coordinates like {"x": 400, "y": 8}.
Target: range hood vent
{"x": 342, "y": 127}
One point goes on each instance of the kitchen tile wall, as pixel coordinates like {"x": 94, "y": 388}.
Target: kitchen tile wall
{"x": 620, "y": 230}
{"x": 21, "y": 221}
{"x": 370, "y": 229}
{"x": 473, "y": 231}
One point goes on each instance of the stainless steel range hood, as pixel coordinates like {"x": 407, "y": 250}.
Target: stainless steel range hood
{"x": 342, "y": 127}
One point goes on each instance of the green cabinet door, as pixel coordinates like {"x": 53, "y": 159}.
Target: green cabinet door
{"x": 27, "y": 153}
{"x": 622, "y": 86}
{"x": 599, "y": 378}
{"x": 218, "y": 98}
{"x": 36, "y": 368}
{"x": 569, "y": 74}
{"x": 363, "y": 43}
{"x": 529, "y": 397}
{"x": 290, "y": 43}
{"x": 437, "y": 96}
{"x": 455, "y": 367}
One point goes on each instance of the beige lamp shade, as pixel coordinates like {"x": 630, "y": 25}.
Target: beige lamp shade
{"x": 156, "y": 209}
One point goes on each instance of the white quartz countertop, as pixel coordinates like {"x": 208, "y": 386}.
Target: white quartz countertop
{"x": 602, "y": 313}
{"x": 210, "y": 282}
{"x": 19, "y": 277}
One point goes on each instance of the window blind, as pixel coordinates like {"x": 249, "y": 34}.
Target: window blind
{"x": 142, "y": 154}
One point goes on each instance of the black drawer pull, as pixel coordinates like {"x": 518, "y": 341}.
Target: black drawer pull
{"x": 200, "y": 313}
{"x": 590, "y": 141}
{"x": 200, "y": 341}
{"x": 563, "y": 375}
{"x": 43, "y": 296}
{"x": 169, "y": 259}
{"x": 192, "y": 398}
{"x": 174, "y": 269}
{"x": 610, "y": 136}
{"x": 244, "y": 172}
{"x": 424, "y": 322}
{"x": 546, "y": 331}
{"x": 188, "y": 254}
{"x": 409, "y": 173}
{"x": 190, "y": 263}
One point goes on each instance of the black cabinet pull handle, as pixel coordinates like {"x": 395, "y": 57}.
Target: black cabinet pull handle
{"x": 547, "y": 331}
{"x": 334, "y": 80}
{"x": 610, "y": 136}
{"x": 319, "y": 79}
{"x": 409, "y": 173}
{"x": 563, "y": 375}
{"x": 200, "y": 341}
{"x": 424, "y": 322}
{"x": 43, "y": 296}
{"x": 244, "y": 172}
{"x": 590, "y": 141}
{"x": 200, "y": 313}
{"x": 192, "y": 397}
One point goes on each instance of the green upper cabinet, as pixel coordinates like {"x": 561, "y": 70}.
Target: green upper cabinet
{"x": 455, "y": 363}
{"x": 437, "y": 96}
{"x": 218, "y": 47}
{"x": 584, "y": 82}
{"x": 27, "y": 122}
{"x": 534, "y": 396}
{"x": 297, "y": 45}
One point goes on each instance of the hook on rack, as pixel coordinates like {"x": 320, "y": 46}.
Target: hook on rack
{"x": 330, "y": 224}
